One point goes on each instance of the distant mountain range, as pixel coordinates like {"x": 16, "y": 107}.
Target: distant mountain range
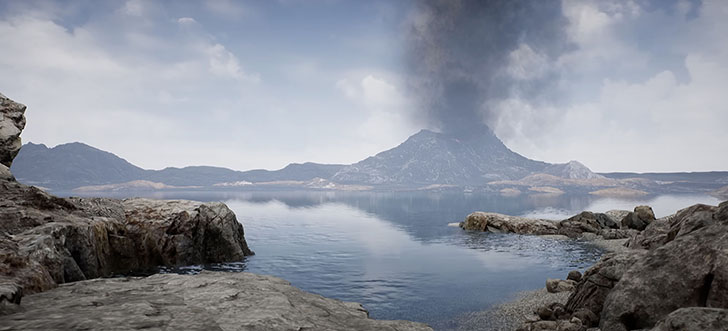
{"x": 74, "y": 165}
{"x": 426, "y": 160}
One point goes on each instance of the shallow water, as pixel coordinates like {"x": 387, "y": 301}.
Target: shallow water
{"x": 395, "y": 254}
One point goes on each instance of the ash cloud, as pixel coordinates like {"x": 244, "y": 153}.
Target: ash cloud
{"x": 463, "y": 55}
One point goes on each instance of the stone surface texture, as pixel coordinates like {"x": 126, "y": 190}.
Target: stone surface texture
{"x": 206, "y": 301}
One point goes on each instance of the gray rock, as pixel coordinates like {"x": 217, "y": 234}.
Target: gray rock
{"x": 610, "y": 234}
{"x": 494, "y": 222}
{"x": 597, "y": 281}
{"x": 639, "y": 219}
{"x": 207, "y": 301}
{"x": 668, "y": 228}
{"x": 689, "y": 271}
{"x": 694, "y": 319}
{"x": 559, "y": 285}
{"x": 12, "y": 122}
{"x": 616, "y": 215}
{"x": 574, "y": 275}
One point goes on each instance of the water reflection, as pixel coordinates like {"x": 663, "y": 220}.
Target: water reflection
{"x": 394, "y": 253}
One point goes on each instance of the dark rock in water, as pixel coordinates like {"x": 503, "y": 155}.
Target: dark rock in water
{"x": 12, "y": 122}
{"x": 694, "y": 319}
{"x": 639, "y": 218}
{"x": 574, "y": 275}
{"x": 207, "y": 301}
{"x": 494, "y": 222}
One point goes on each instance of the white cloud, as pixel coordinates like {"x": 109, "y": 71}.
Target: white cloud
{"x": 186, "y": 20}
{"x": 224, "y": 63}
{"x": 628, "y": 110}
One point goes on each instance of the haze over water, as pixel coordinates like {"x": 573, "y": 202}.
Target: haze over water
{"x": 395, "y": 254}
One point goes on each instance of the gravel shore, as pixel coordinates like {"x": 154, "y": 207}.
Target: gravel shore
{"x": 510, "y": 315}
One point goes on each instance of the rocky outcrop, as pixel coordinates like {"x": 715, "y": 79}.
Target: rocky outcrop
{"x": 604, "y": 224}
{"x": 206, "y": 301}
{"x": 494, "y": 222}
{"x": 12, "y": 122}
{"x": 677, "y": 279}
{"x": 48, "y": 240}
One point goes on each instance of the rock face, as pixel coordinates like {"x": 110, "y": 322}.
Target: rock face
{"x": 689, "y": 271}
{"x": 12, "y": 122}
{"x": 586, "y": 222}
{"x": 494, "y": 222}
{"x": 207, "y": 301}
{"x": 49, "y": 240}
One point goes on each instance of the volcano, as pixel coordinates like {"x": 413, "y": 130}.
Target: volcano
{"x": 429, "y": 157}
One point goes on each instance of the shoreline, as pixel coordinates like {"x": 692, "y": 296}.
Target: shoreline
{"x": 511, "y": 314}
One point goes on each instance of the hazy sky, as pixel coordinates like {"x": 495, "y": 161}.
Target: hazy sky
{"x": 640, "y": 85}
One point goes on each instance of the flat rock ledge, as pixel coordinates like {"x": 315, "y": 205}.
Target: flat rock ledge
{"x": 206, "y": 301}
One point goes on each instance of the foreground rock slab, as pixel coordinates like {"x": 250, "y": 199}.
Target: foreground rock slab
{"x": 206, "y": 301}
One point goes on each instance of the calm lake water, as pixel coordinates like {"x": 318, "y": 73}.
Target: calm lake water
{"x": 395, "y": 254}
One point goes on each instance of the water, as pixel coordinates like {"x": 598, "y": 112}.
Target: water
{"x": 395, "y": 254}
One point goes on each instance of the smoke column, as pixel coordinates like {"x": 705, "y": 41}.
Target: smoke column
{"x": 458, "y": 53}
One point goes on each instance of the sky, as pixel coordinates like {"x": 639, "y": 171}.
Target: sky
{"x": 637, "y": 86}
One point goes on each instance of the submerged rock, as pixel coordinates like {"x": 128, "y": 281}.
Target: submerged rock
{"x": 206, "y": 301}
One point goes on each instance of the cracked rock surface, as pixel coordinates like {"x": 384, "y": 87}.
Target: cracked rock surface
{"x": 206, "y": 301}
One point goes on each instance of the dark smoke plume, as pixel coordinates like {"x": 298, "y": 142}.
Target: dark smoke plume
{"x": 458, "y": 50}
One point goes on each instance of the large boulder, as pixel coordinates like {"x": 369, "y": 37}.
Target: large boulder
{"x": 639, "y": 218}
{"x": 596, "y": 283}
{"x": 207, "y": 301}
{"x": 494, "y": 222}
{"x": 12, "y": 122}
{"x": 689, "y": 271}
